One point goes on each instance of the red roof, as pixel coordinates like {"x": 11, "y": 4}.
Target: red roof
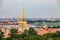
{"x": 47, "y": 30}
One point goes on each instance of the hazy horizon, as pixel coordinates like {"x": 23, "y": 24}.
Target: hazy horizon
{"x": 33, "y": 8}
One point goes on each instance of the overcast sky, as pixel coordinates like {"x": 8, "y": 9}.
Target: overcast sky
{"x": 33, "y": 8}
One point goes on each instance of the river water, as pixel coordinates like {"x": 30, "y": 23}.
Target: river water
{"x": 11, "y": 26}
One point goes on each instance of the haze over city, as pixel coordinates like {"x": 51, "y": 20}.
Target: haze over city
{"x": 33, "y": 8}
{"x": 29, "y": 19}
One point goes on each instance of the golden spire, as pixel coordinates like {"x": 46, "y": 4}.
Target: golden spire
{"x": 23, "y": 24}
{"x": 18, "y": 16}
{"x": 23, "y": 13}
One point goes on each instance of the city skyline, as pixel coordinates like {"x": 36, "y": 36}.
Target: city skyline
{"x": 33, "y": 8}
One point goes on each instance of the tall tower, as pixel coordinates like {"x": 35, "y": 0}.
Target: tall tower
{"x": 23, "y": 23}
{"x": 18, "y": 17}
{"x": 23, "y": 13}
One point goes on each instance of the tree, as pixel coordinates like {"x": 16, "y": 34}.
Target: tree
{"x": 31, "y": 31}
{"x": 1, "y": 35}
{"x": 13, "y": 33}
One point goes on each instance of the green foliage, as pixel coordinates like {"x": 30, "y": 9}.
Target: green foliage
{"x": 13, "y": 34}
{"x": 30, "y": 34}
{"x": 1, "y": 34}
{"x": 31, "y": 31}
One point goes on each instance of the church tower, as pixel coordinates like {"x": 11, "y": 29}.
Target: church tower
{"x": 23, "y": 23}
{"x": 18, "y": 19}
{"x": 23, "y": 14}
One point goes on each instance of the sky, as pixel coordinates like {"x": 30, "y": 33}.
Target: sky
{"x": 33, "y": 8}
